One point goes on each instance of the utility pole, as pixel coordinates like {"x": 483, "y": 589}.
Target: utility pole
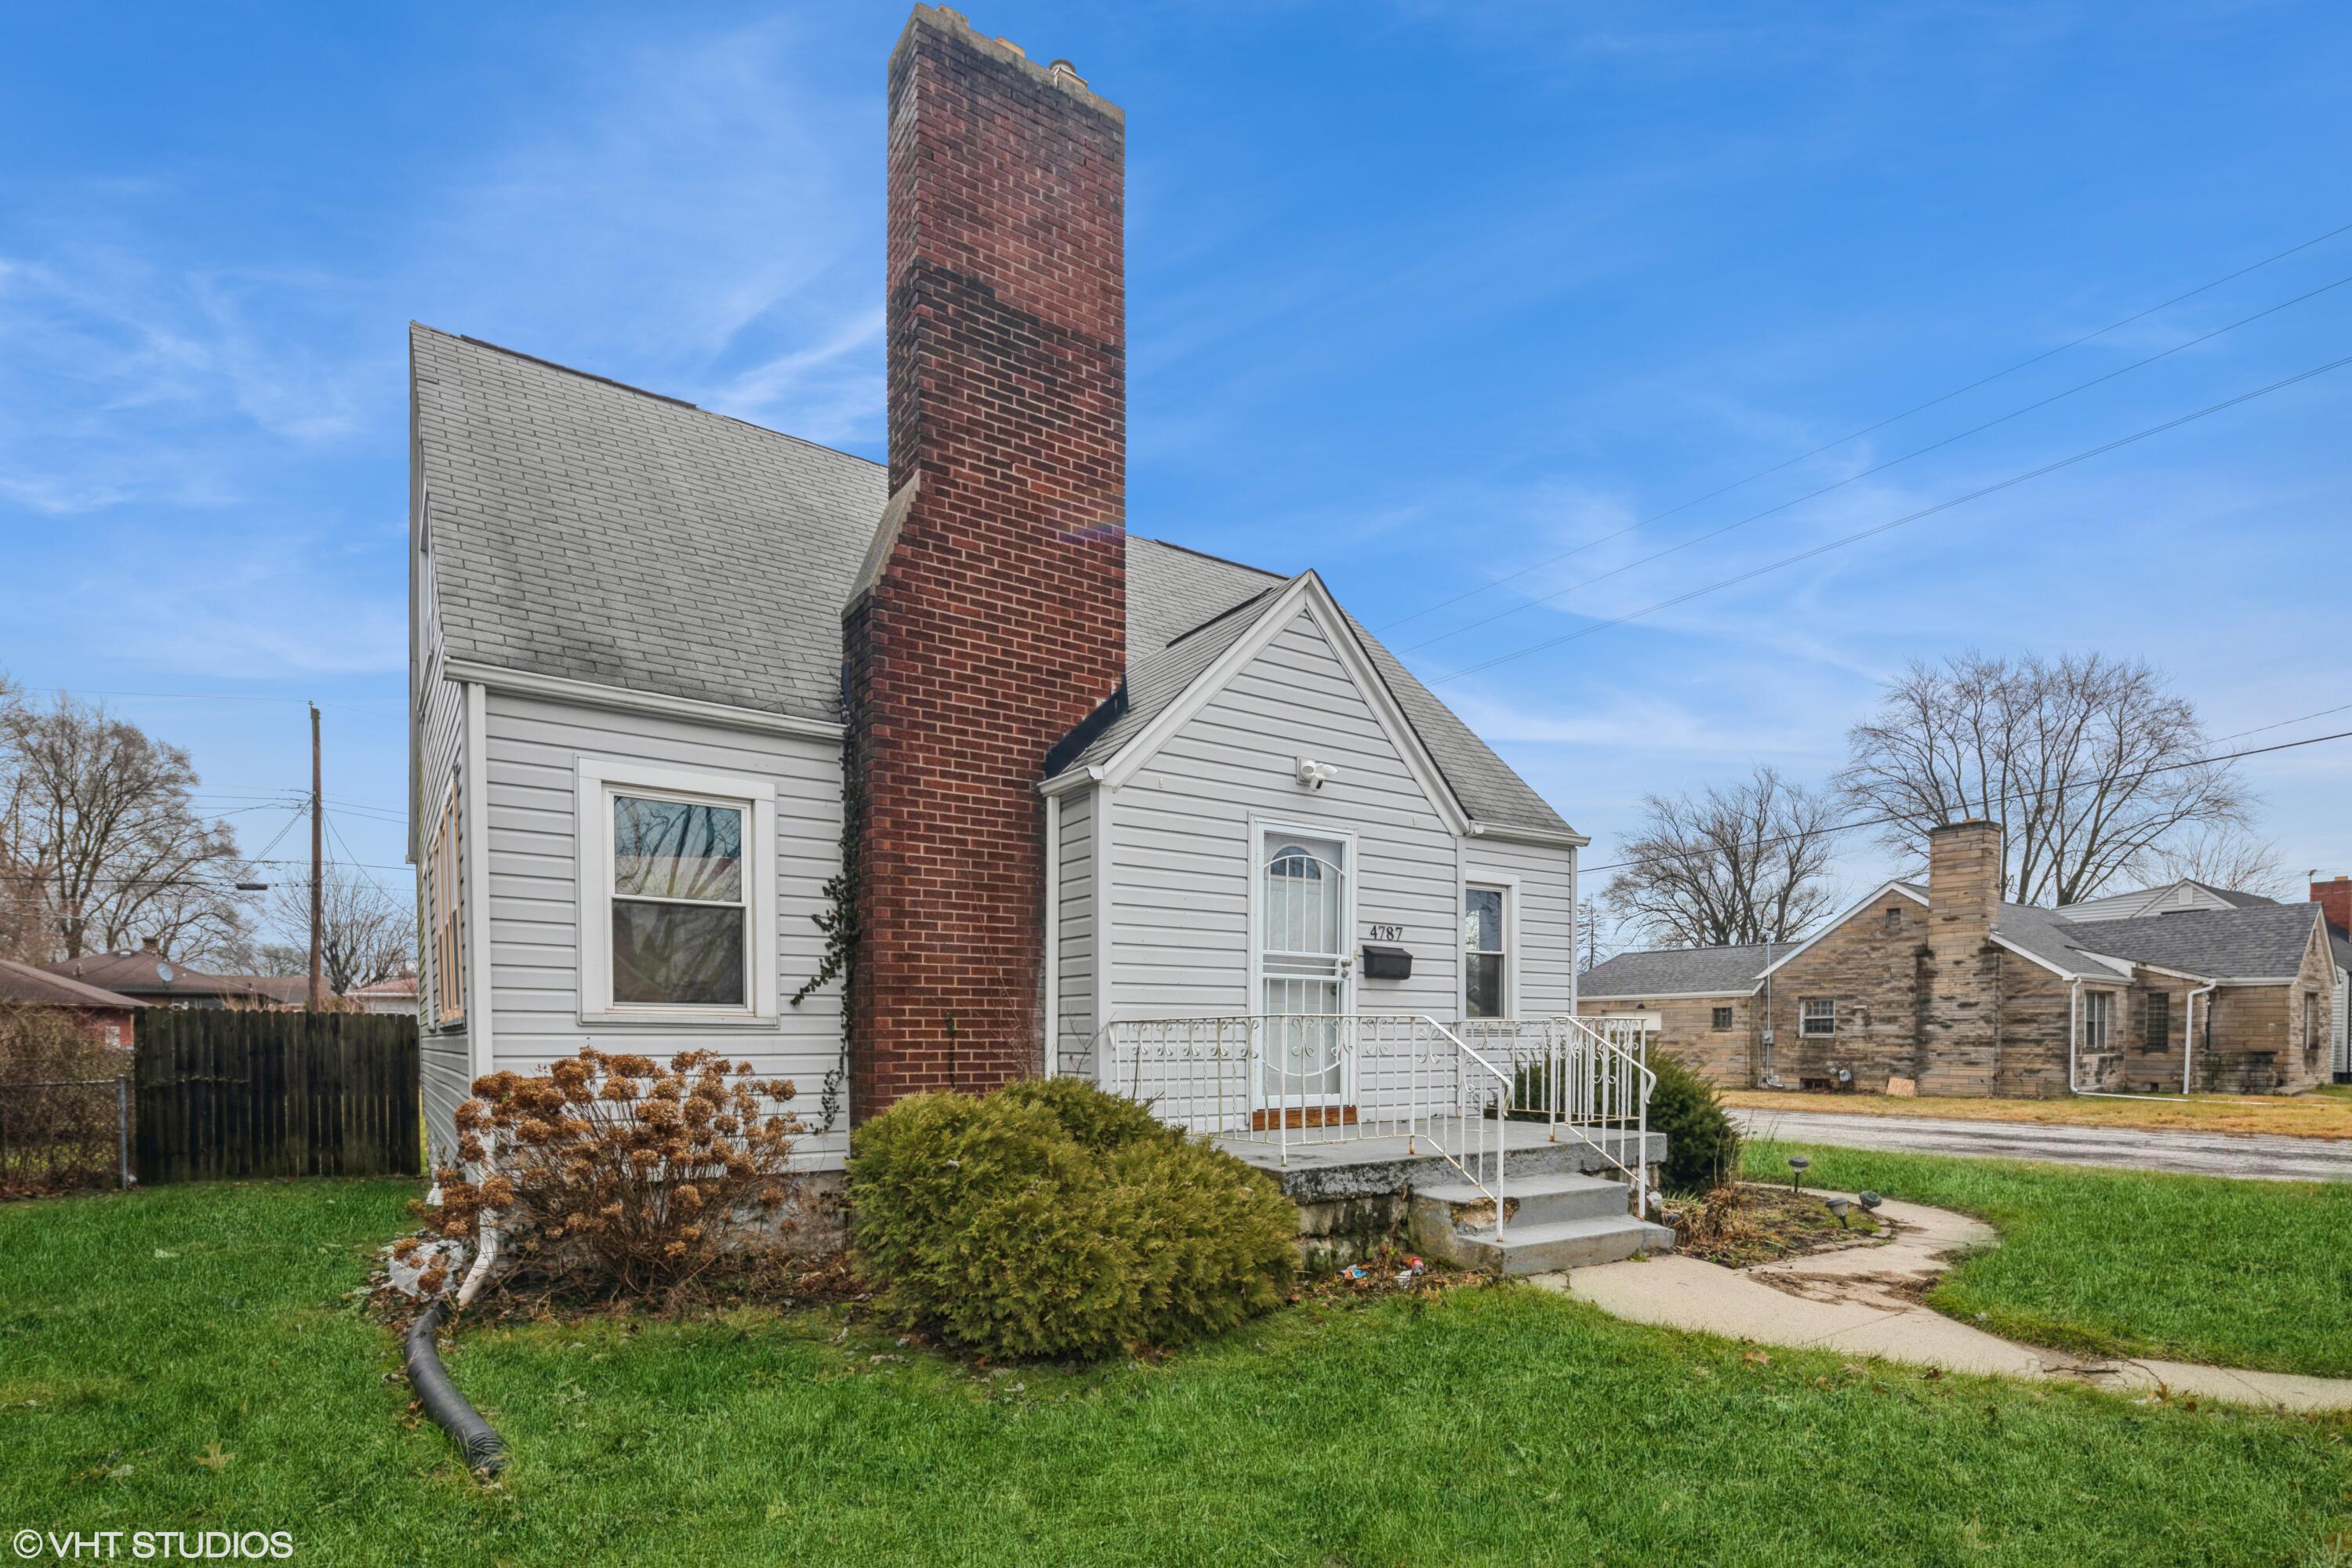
{"x": 318, "y": 849}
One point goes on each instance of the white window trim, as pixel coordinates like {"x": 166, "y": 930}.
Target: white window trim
{"x": 1507, "y": 884}
{"x": 600, "y": 780}
{"x": 1805, "y": 1031}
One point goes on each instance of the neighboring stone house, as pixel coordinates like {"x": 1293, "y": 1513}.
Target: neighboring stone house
{"x": 1096, "y": 783}
{"x": 1950, "y": 990}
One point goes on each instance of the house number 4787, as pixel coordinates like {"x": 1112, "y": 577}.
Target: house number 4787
{"x": 1387, "y": 933}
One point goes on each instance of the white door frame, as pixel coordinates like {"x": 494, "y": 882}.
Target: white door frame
{"x": 1262, "y": 830}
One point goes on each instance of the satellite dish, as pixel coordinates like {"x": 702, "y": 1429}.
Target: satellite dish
{"x": 164, "y": 973}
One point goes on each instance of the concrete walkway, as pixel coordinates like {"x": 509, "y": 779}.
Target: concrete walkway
{"x": 1863, "y": 1302}
{"x": 2263, "y": 1156}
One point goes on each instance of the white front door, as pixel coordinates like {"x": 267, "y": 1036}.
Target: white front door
{"x": 1306, "y": 964}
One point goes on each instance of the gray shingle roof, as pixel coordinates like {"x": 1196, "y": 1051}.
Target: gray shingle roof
{"x": 587, "y": 529}
{"x": 2064, "y": 944}
{"x": 2260, "y": 941}
{"x": 1687, "y": 971}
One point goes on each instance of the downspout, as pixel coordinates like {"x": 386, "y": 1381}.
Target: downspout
{"x": 2189, "y": 1031}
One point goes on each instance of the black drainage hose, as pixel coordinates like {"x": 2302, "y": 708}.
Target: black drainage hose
{"x": 485, "y": 1451}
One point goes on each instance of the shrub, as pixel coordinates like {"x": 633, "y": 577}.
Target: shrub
{"x": 1702, "y": 1145}
{"x": 1053, "y": 1219}
{"x": 615, "y": 1171}
{"x": 67, "y": 1135}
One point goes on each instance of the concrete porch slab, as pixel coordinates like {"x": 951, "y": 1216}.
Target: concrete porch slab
{"x": 1313, "y": 1169}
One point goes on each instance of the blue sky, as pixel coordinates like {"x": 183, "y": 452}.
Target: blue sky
{"x": 1420, "y": 295}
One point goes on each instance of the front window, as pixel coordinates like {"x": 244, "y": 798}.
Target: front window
{"x": 1485, "y": 979}
{"x": 2098, "y": 1019}
{"x": 679, "y": 914}
{"x": 1819, "y": 1015}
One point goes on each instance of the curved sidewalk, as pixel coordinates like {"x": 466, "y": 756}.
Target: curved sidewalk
{"x": 1853, "y": 1302}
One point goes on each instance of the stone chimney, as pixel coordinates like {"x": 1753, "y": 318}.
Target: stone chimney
{"x": 1959, "y": 1044}
{"x": 2334, "y": 897}
{"x": 991, "y": 613}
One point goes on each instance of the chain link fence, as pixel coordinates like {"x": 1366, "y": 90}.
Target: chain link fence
{"x": 63, "y": 1135}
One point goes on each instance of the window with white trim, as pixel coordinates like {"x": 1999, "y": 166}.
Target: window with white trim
{"x": 444, "y": 913}
{"x": 2098, "y": 1019}
{"x": 677, "y": 894}
{"x": 1817, "y": 1015}
{"x": 1485, "y": 956}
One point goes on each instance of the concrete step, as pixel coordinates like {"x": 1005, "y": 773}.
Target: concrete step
{"x": 1536, "y": 1199}
{"x": 1563, "y": 1244}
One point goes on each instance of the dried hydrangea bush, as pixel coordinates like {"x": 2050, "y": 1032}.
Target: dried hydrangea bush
{"x": 613, "y": 1171}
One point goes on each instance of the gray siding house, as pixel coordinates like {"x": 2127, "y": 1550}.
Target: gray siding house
{"x": 619, "y": 598}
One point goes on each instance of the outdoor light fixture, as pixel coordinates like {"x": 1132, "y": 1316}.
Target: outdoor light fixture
{"x": 1314, "y": 774}
{"x": 1870, "y": 1202}
{"x": 1838, "y": 1207}
{"x": 1797, "y": 1164}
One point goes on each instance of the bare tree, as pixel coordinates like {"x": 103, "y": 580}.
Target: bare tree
{"x": 2223, "y": 856}
{"x": 106, "y": 844}
{"x": 2088, "y": 764}
{"x": 365, "y": 932}
{"x": 1596, "y": 934}
{"x": 1745, "y": 864}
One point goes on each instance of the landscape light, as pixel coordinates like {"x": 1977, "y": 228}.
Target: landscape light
{"x": 1797, "y": 1164}
{"x": 1838, "y": 1207}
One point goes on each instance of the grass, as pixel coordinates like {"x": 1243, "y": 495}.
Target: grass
{"x": 184, "y": 1360}
{"x": 2324, "y": 1112}
{"x": 2249, "y": 1274}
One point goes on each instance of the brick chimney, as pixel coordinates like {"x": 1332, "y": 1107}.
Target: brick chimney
{"x": 1959, "y": 1045}
{"x": 992, "y": 613}
{"x": 2334, "y": 897}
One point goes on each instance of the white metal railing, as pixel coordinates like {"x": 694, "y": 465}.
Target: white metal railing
{"x": 1587, "y": 1082}
{"x": 1288, "y": 1080}
{"x": 1285, "y": 1080}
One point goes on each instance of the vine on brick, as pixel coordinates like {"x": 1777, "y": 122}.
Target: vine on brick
{"x": 839, "y": 923}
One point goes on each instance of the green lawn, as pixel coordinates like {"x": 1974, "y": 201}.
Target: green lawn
{"x": 2253, "y": 1274}
{"x": 184, "y": 1359}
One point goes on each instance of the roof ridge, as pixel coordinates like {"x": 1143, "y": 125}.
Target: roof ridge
{"x": 1221, "y": 559}
{"x": 618, "y": 385}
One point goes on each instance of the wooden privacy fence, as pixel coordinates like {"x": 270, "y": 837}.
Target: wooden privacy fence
{"x": 226, "y": 1094}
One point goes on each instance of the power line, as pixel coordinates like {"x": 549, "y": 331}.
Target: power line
{"x": 1864, "y": 474}
{"x": 2021, "y": 798}
{"x": 2014, "y": 480}
{"x": 1880, "y": 425}
{"x": 205, "y": 697}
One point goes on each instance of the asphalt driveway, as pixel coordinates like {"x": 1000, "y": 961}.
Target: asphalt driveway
{"x": 2251, "y": 1154}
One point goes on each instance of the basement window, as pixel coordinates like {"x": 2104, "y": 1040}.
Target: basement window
{"x": 676, "y": 895}
{"x": 1723, "y": 1017}
{"x": 1819, "y": 1015}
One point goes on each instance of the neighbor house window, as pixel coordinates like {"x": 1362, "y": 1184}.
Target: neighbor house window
{"x": 1818, "y": 1015}
{"x": 1723, "y": 1017}
{"x": 1486, "y": 957}
{"x": 2160, "y": 1019}
{"x": 445, "y": 900}
{"x": 677, "y": 893}
{"x": 2098, "y": 1019}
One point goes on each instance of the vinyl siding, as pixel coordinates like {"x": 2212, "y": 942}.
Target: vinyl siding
{"x": 534, "y": 747}
{"x": 1075, "y": 1029}
{"x": 444, "y": 1055}
{"x": 1183, "y": 860}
